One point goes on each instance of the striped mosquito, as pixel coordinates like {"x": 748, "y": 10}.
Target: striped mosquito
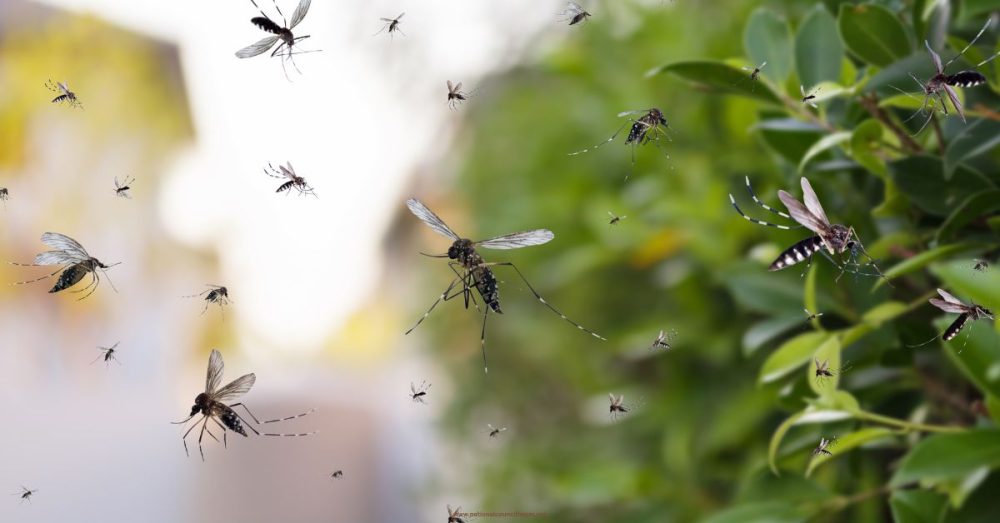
{"x": 663, "y": 340}
{"x": 494, "y": 432}
{"x": 283, "y": 33}
{"x": 456, "y": 95}
{"x": 64, "y": 94}
{"x": 294, "y": 181}
{"x": 122, "y": 188}
{"x": 472, "y": 272}
{"x": 836, "y": 239}
{"x": 574, "y": 14}
{"x": 809, "y": 99}
{"x": 391, "y": 25}
{"x": 75, "y": 264}
{"x": 965, "y": 311}
{"x": 419, "y": 394}
{"x": 107, "y": 354}
{"x": 217, "y": 294}
{"x": 212, "y": 405}
{"x": 824, "y": 446}
{"x": 648, "y": 127}
{"x": 615, "y": 218}
{"x": 454, "y": 516}
{"x": 25, "y": 494}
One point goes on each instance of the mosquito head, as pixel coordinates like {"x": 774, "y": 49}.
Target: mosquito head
{"x": 978, "y": 311}
{"x": 201, "y": 403}
{"x": 460, "y": 249}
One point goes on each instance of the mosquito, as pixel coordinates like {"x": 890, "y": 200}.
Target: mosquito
{"x": 981, "y": 265}
{"x": 75, "y": 262}
{"x": 823, "y": 447}
{"x": 663, "y": 340}
{"x": 966, "y": 312}
{"x": 454, "y": 516}
{"x": 456, "y": 95}
{"x": 283, "y": 33}
{"x": 823, "y": 370}
{"x": 835, "y": 238}
{"x": 808, "y": 99}
{"x": 812, "y": 316}
{"x": 754, "y": 74}
{"x": 417, "y": 394}
{"x": 4, "y": 196}
{"x": 287, "y": 172}
{"x": 391, "y": 25}
{"x": 215, "y": 294}
{"x": 615, "y": 218}
{"x": 574, "y": 14}
{"x": 122, "y": 188}
{"x": 648, "y": 127}
{"x": 337, "y": 474}
{"x": 211, "y": 404}
{"x": 472, "y": 272}
{"x": 25, "y": 494}
{"x": 495, "y": 431}
{"x": 108, "y": 354}
{"x": 617, "y": 408}
{"x": 65, "y": 95}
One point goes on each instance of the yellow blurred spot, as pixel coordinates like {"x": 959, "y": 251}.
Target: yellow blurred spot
{"x": 658, "y": 247}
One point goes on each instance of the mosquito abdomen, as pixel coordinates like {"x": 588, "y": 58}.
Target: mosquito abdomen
{"x": 955, "y": 327}
{"x": 797, "y": 253}
{"x": 69, "y": 277}
{"x": 965, "y": 79}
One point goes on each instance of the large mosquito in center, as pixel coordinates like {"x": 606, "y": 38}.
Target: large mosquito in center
{"x": 287, "y": 172}
{"x": 283, "y": 33}
{"x": 211, "y": 404}
{"x": 835, "y": 238}
{"x": 966, "y": 312}
{"x": 75, "y": 262}
{"x": 648, "y": 127}
{"x": 472, "y": 272}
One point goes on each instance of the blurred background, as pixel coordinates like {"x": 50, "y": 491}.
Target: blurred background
{"x": 323, "y": 288}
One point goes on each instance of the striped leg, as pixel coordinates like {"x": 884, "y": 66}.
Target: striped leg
{"x": 764, "y": 205}
{"x": 732, "y": 200}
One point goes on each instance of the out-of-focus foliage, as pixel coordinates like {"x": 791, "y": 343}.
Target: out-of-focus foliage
{"x": 727, "y": 418}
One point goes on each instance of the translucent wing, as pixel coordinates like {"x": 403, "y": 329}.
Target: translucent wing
{"x": 413, "y": 388}
{"x": 215, "y": 368}
{"x": 802, "y": 90}
{"x": 948, "y": 307}
{"x": 948, "y": 297}
{"x": 934, "y": 57}
{"x": 573, "y": 6}
{"x": 299, "y": 13}
{"x": 764, "y": 63}
{"x": 801, "y": 214}
{"x": 458, "y": 87}
{"x": 57, "y": 258}
{"x": 626, "y": 113}
{"x": 236, "y": 388}
{"x": 427, "y": 216}
{"x": 451, "y": 88}
{"x": 518, "y": 239}
{"x": 64, "y": 243}
{"x": 257, "y": 48}
{"x": 400, "y": 17}
{"x": 812, "y": 202}
{"x": 612, "y": 397}
{"x": 953, "y": 96}
{"x": 288, "y": 171}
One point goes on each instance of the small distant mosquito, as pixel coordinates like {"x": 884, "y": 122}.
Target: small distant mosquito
{"x": 824, "y": 445}
{"x": 810, "y": 316}
{"x": 417, "y": 394}
{"x": 574, "y": 14}
{"x": 4, "y": 195}
{"x": 454, "y": 515}
{"x": 615, "y": 218}
{"x": 287, "y": 172}
{"x": 472, "y": 272}
{"x": 966, "y": 312}
{"x": 495, "y": 431}
{"x": 835, "y": 238}
{"x": 215, "y": 294}
{"x": 754, "y": 74}
{"x": 107, "y": 354}
{"x": 981, "y": 265}
{"x": 824, "y": 371}
{"x": 25, "y": 494}
{"x": 283, "y": 33}
{"x": 663, "y": 340}
{"x": 617, "y": 408}
{"x": 648, "y": 127}
{"x": 808, "y": 98}
{"x": 122, "y": 188}
{"x": 65, "y": 95}
{"x": 456, "y": 95}
{"x": 211, "y": 404}
{"x": 337, "y": 474}
{"x": 391, "y": 25}
{"x": 75, "y": 261}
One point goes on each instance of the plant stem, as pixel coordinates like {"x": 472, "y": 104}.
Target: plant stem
{"x": 908, "y": 425}
{"x": 870, "y": 103}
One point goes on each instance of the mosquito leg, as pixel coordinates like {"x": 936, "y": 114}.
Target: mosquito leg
{"x": 466, "y": 291}
{"x": 184, "y": 437}
{"x": 234, "y": 405}
{"x": 766, "y": 207}
{"x": 36, "y": 279}
{"x": 95, "y": 282}
{"x": 224, "y": 432}
{"x": 547, "y": 304}
{"x": 306, "y": 413}
{"x": 613, "y": 136}
{"x": 283, "y": 19}
{"x": 482, "y": 338}
{"x": 204, "y": 425}
{"x": 435, "y": 304}
{"x": 732, "y": 200}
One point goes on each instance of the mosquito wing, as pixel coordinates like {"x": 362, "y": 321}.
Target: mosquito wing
{"x": 953, "y": 96}
{"x": 950, "y": 298}
{"x": 65, "y": 243}
{"x": 626, "y": 113}
{"x": 801, "y": 214}
{"x": 215, "y": 368}
{"x": 518, "y": 239}
{"x": 400, "y": 17}
{"x": 812, "y": 202}
{"x": 287, "y": 170}
{"x": 299, "y": 13}
{"x": 934, "y": 57}
{"x": 762, "y": 64}
{"x": 236, "y": 388}
{"x": 427, "y": 216}
{"x": 575, "y": 7}
{"x": 451, "y": 88}
{"x": 257, "y": 48}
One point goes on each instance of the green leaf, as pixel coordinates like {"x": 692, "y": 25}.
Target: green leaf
{"x": 818, "y": 50}
{"x": 760, "y": 512}
{"x": 789, "y": 137}
{"x": 865, "y": 142}
{"x": 975, "y": 352}
{"x": 916, "y": 506}
{"x": 722, "y": 77}
{"x": 976, "y": 138}
{"x": 943, "y": 457}
{"x": 847, "y": 442}
{"x": 768, "y": 37}
{"x": 921, "y": 178}
{"x": 981, "y": 507}
{"x": 766, "y": 330}
{"x": 791, "y": 355}
{"x": 968, "y": 211}
{"x": 823, "y": 144}
{"x": 873, "y": 33}
{"x": 915, "y": 263}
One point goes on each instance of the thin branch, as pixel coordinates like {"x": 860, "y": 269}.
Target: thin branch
{"x": 870, "y": 103}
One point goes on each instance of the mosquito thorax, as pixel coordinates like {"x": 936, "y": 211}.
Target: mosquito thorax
{"x": 978, "y": 311}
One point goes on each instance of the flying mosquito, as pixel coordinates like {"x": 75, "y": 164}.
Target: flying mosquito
{"x": 824, "y": 445}
{"x": 966, "y": 312}
{"x": 25, "y": 494}
{"x": 75, "y": 261}
{"x": 981, "y": 265}
{"x": 617, "y": 408}
{"x": 754, "y": 74}
{"x": 808, "y": 99}
{"x": 812, "y": 316}
{"x": 454, "y": 516}
{"x": 456, "y": 95}
{"x": 337, "y": 474}
{"x": 472, "y": 272}
{"x": 211, "y": 404}
{"x": 286, "y": 49}
{"x": 417, "y": 394}
{"x": 108, "y": 354}
{"x": 574, "y": 14}
{"x": 648, "y": 127}
{"x": 215, "y": 294}
{"x": 835, "y": 238}
{"x": 663, "y": 340}
{"x": 823, "y": 370}
{"x": 295, "y": 181}
{"x": 495, "y": 431}
{"x": 391, "y": 25}
{"x": 615, "y": 218}
{"x": 65, "y": 95}
{"x": 4, "y": 195}
{"x": 122, "y": 188}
